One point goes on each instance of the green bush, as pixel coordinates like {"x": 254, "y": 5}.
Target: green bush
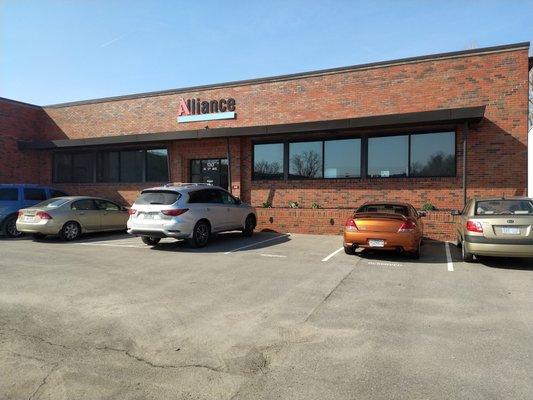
{"x": 267, "y": 204}
{"x": 315, "y": 205}
{"x": 294, "y": 204}
{"x": 428, "y": 207}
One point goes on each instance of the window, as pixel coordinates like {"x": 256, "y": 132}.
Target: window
{"x": 131, "y": 166}
{"x": 83, "y": 167}
{"x": 107, "y": 205}
{"x": 205, "y": 196}
{"x": 52, "y": 203}
{"x": 504, "y": 207}
{"x": 268, "y": 161}
{"x": 342, "y": 158}
{"x": 83, "y": 205}
{"x": 305, "y": 160}
{"x": 111, "y": 166}
{"x": 107, "y": 166}
{"x": 225, "y": 197}
{"x": 34, "y": 194}
{"x": 9, "y": 194}
{"x": 156, "y": 165}
{"x": 212, "y": 171}
{"x": 384, "y": 208}
{"x": 158, "y": 197}
{"x": 433, "y": 154}
{"x": 388, "y": 156}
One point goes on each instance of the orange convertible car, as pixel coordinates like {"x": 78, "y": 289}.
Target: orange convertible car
{"x": 385, "y": 226}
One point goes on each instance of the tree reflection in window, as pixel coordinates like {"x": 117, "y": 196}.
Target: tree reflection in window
{"x": 305, "y": 160}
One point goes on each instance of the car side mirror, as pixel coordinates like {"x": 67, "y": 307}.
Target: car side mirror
{"x": 422, "y": 214}
{"x": 455, "y": 212}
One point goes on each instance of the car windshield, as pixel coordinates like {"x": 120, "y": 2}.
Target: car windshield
{"x": 51, "y": 203}
{"x": 158, "y": 197}
{"x": 384, "y": 208}
{"x": 9, "y": 194}
{"x": 504, "y": 207}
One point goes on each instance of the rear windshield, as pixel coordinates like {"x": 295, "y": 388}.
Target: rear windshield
{"x": 158, "y": 197}
{"x": 504, "y": 207}
{"x": 384, "y": 208}
{"x": 51, "y": 203}
{"x": 9, "y": 194}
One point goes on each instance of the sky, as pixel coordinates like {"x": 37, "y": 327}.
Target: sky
{"x": 54, "y": 51}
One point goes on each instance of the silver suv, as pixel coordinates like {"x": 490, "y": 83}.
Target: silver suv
{"x": 190, "y": 211}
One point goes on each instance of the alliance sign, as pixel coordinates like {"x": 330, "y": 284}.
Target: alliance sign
{"x": 192, "y": 110}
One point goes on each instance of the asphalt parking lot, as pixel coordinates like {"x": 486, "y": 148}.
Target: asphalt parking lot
{"x": 268, "y": 317}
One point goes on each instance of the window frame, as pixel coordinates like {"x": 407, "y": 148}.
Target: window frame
{"x": 96, "y": 152}
{"x": 364, "y": 137}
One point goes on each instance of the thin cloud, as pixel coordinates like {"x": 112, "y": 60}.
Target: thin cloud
{"x": 115, "y": 39}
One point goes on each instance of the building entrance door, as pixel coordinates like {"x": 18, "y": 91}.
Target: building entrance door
{"x": 212, "y": 170}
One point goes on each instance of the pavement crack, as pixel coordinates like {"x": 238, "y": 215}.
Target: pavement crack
{"x": 314, "y": 310}
{"x": 162, "y": 366}
{"x": 44, "y": 381}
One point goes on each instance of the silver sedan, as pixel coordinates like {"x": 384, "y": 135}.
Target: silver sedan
{"x": 71, "y": 216}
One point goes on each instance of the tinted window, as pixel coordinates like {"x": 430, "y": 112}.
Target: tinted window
{"x": 107, "y": 205}
{"x": 157, "y": 197}
{"x": 305, "y": 160}
{"x": 225, "y": 197}
{"x": 433, "y": 154}
{"x": 107, "y": 166}
{"x": 83, "y": 205}
{"x": 342, "y": 158}
{"x": 156, "y": 165}
{"x": 62, "y": 167}
{"x": 131, "y": 166}
{"x": 57, "y": 193}
{"x": 34, "y": 194}
{"x": 9, "y": 194}
{"x": 385, "y": 208}
{"x": 268, "y": 161}
{"x": 504, "y": 207}
{"x": 388, "y": 156}
{"x": 83, "y": 167}
{"x": 205, "y": 196}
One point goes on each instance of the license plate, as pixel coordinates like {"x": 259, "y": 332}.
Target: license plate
{"x": 27, "y": 219}
{"x": 508, "y": 230}
{"x": 376, "y": 243}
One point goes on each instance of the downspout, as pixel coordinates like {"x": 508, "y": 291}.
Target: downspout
{"x": 465, "y": 138}
{"x": 229, "y": 165}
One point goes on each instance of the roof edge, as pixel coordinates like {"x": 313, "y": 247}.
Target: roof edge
{"x": 378, "y": 64}
{"x": 19, "y": 102}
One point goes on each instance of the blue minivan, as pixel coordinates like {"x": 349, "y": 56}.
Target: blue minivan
{"x": 13, "y": 197}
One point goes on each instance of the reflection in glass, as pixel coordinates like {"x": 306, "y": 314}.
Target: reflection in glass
{"x": 305, "y": 160}
{"x": 433, "y": 154}
{"x": 131, "y": 166}
{"x": 156, "y": 165}
{"x": 268, "y": 161}
{"x": 388, "y": 156}
{"x": 342, "y": 158}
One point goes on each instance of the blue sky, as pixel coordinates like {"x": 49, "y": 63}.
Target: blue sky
{"x": 58, "y": 51}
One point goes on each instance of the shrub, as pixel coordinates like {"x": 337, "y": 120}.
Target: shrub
{"x": 428, "y": 207}
{"x": 315, "y": 205}
{"x": 294, "y": 204}
{"x": 267, "y": 204}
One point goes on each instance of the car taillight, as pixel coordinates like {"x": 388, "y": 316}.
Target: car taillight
{"x": 350, "y": 225}
{"x": 174, "y": 212}
{"x": 21, "y": 213}
{"x": 43, "y": 215}
{"x": 132, "y": 211}
{"x": 407, "y": 226}
{"x": 474, "y": 226}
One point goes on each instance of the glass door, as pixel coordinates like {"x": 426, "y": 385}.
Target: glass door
{"x": 213, "y": 171}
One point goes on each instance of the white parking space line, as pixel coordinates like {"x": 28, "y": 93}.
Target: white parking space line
{"x": 273, "y": 255}
{"x": 449, "y": 256}
{"x": 385, "y": 263}
{"x": 332, "y": 254}
{"x": 256, "y": 243}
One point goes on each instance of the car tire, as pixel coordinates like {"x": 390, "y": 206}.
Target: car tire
{"x": 150, "y": 240}
{"x": 38, "y": 236}
{"x": 349, "y": 250}
{"x": 249, "y": 226}
{"x": 200, "y": 234}
{"x": 70, "y": 231}
{"x": 466, "y": 256}
{"x": 11, "y": 227}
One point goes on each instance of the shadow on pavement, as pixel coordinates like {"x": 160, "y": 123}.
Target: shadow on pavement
{"x": 525, "y": 264}
{"x": 432, "y": 252}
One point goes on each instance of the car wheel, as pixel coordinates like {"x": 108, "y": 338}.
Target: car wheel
{"x": 349, "y": 250}
{"x": 70, "y": 231}
{"x": 200, "y": 235}
{"x": 150, "y": 240}
{"x": 38, "y": 236}
{"x": 458, "y": 242}
{"x": 11, "y": 227}
{"x": 467, "y": 257}
{"x": 249, "y": 226}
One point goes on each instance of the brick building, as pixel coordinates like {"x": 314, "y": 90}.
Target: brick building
{"x": 432, "y": 129}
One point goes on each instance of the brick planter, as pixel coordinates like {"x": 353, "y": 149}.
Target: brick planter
{"x": 438, "y": 225}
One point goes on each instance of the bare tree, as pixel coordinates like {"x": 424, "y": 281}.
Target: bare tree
{"x": 306, "y": 165}
{"x": 267, "y": 169}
